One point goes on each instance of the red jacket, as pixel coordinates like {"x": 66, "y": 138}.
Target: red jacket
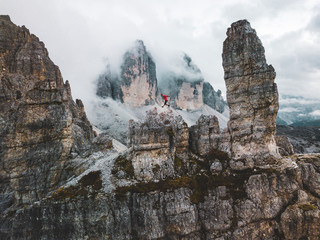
{"x": 165, "y": 97}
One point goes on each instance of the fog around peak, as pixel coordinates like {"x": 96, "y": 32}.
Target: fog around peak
{"x": 83, "y": 36}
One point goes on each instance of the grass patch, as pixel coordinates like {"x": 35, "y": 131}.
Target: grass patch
{"x": 88, "y": 186}
{"x": 217, "y": 154}
{"x": 123, "y": 164}
{"x": 307, "y": 207}
{"x": 178, "y": 164}
{"x": 156, "y": 168}
{"x": 199, "y": 184}
{"x": 170, "y": 132}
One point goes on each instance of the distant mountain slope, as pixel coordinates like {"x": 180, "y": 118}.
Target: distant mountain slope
{"x": 298, "y": 110}
{"x": 312, "y": 123}
{"x": 303, "y": 139}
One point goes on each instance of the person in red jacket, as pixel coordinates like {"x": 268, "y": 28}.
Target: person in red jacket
{"x": 165, "y": 98}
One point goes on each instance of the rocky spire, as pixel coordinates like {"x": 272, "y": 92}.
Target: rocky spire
{"x": 252, "y": 96}
{"x": 40, "y": 125}
{"x": 138, "y": 76}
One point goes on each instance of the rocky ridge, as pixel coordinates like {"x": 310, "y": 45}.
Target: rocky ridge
{"x": 173, "y": 182}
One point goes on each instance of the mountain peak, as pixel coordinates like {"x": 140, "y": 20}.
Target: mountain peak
{"x": 5, "y": 17}
{"x": 252, "y": 96}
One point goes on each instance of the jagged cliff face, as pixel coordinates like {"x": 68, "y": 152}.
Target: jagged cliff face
{"x": 252, "y": 96}
{"x": 188, "y": 90}
{"x": 40, "y": 125}
{"x": 213, "y": 98}
{"x": 158, "y": 189}
{"x": 138, "y": 76}
{"x": 187, "y": 94}
{"x": 137, "y": 84}
{"x": 173, "y": 182}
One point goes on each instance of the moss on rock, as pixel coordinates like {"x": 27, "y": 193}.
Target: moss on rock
{"x": 307, "y": 207}
{"x": 123, "y": 164}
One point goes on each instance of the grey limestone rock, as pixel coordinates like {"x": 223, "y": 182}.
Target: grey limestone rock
{"x": 137, "y": 84}
{"x": 252, "y": 97}
{"x": 213, "y": 98}
{"x": 285, "y": 147}
{"x": 205, "y": 135}
{"x": 41, "y": 127}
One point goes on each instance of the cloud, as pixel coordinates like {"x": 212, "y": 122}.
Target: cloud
{"x": 288, "y": 110}
{"x": 315, "y": 113}
{"x": 290, "y": 100}
{"x": 81, "y": 34}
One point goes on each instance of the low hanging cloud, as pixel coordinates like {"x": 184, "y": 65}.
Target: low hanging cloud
{"x": 80, "y": 35}
{"x": 315, "y": 113}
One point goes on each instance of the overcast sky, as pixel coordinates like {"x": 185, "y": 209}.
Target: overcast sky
{"x": 81, "y": 34}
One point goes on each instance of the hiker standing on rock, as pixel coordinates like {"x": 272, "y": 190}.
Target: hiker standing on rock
{"x": 165, "y": 98}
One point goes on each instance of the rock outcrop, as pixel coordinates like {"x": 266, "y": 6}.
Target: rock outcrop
{"x": 252, "y": 97}
{"x": 41, "y": 127}
{"x": 161, "y": 137}
{"x": 205, "y": 135}
{"x": 213, "y": 98}
{"x": 149, "y": 192}
{"x": 137, "y": 84}
{"x": 188, "y": 90}
{"x": 173, "y": 182}
{"x": 284, "y": 145}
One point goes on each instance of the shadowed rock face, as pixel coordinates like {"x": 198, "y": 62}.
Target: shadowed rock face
{"x": 40, "y": 125}
{"x": 252, "y": 96}
{"x": 213, "y": 98}
{"x": 205, "y": 135}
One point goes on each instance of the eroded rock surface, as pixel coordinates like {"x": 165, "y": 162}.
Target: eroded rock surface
{"x": 137, "y": 84}
{"x": 213, "y": 98}
{"x": 161, "y": 137}
{"x": 205, "y": 135}
{"x": 252, "y": 96}
{"x": 187, "y": 88}
{"x": 40, "y": 125}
